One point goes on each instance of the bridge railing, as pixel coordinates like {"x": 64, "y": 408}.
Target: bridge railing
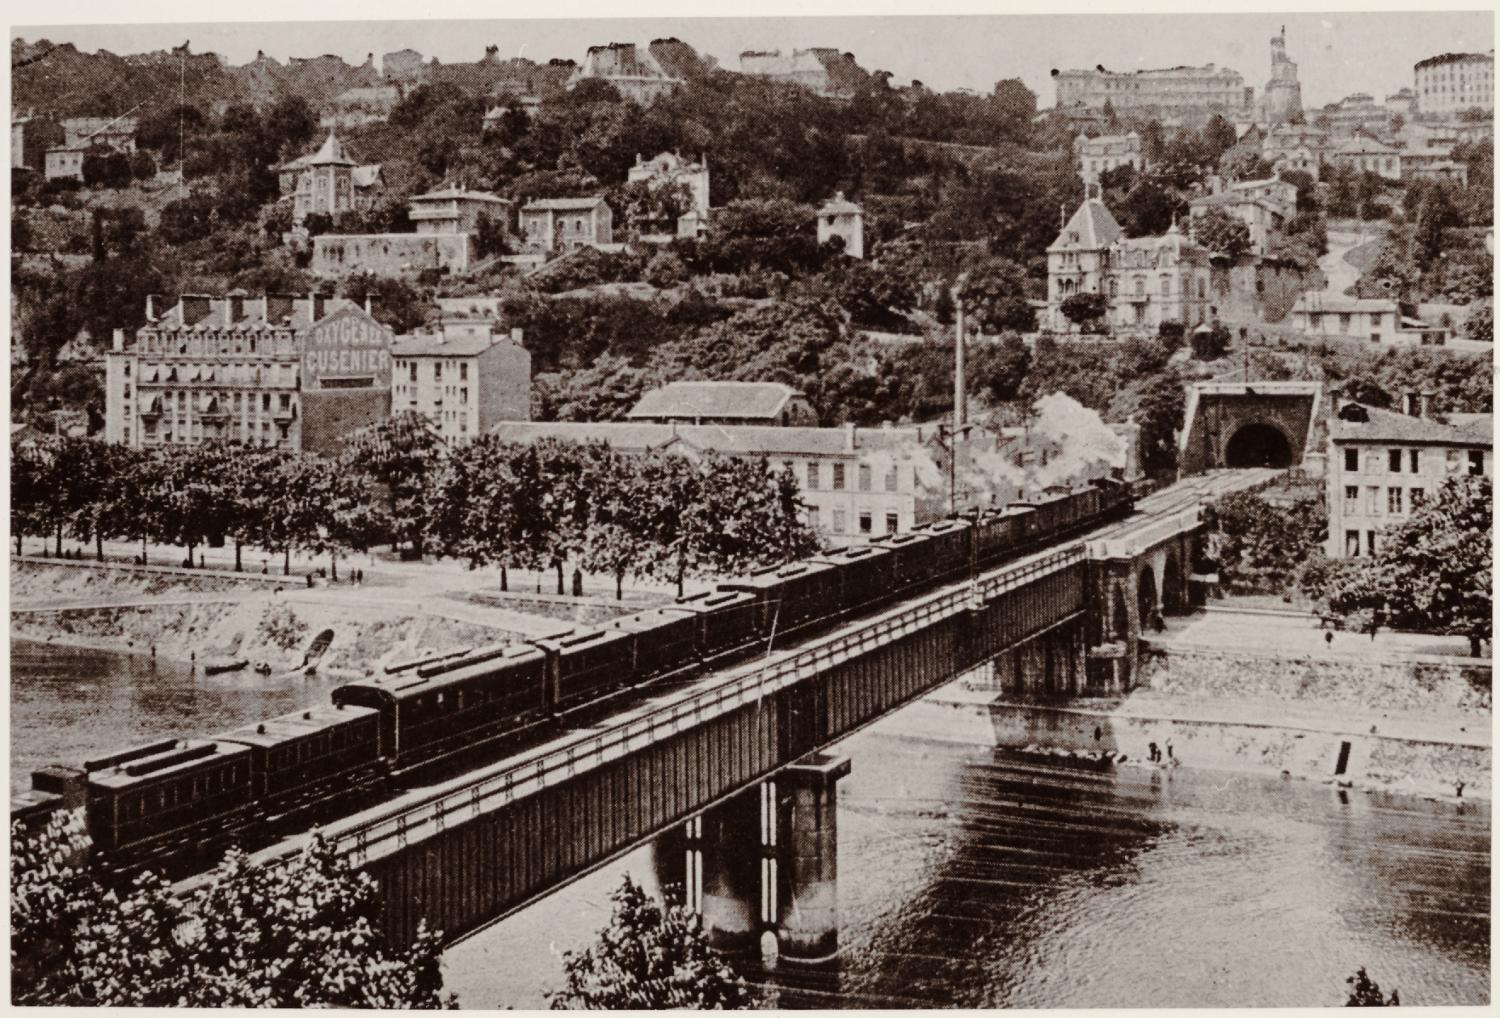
{"x": 421, "y": 819}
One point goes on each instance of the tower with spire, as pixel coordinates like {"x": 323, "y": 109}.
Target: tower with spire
{"x": 320, "y": 182}
{"x": 1283, "y": 95}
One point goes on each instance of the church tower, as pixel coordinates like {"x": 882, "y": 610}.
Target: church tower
{"x": 1283, "y": 98}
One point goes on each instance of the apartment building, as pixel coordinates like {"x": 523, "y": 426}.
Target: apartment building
{"x": 1382, "y": 466}
{"x": 464, "y": 377}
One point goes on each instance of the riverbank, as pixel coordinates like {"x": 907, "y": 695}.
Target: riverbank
{"x": 214, "y": 618}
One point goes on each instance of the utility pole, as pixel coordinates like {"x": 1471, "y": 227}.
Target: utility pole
{"x": 960, "y": 394}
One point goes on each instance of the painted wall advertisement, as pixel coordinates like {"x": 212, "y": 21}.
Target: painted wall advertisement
{"x": 347, "y": 350}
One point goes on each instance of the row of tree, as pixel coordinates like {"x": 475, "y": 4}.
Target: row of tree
{"x": 657, "y": 515}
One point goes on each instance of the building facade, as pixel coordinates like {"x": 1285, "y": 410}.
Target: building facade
{"x": 291, "y": 371}
{"x": 842, "y": 218}
{"x": 566, "y": 224}
{"x": 1371, "y": 155}
{"x": 1299, "y": 147}
{"x": 1145, "y": 280}
{"x": 821, "y": 69}
{"x": 768, "y": 404}
{"x": 328, "y": 182}
{"x": 464, "y": 377}
{"x": 1260, "y": 215}
{"x": 1174, "y": 95}
{"x": 1453, "y": 82}
{"x": 355, "y": 107}
{"x": 668, "y": 168}
{"x": 1107, "y": 152}
{"x": 115, "y": 133}
{"x": 447, "y": 222}
{"x": 457, "y": 210}
{"x": 1371, "y": 320}
{"x": 1383, "y": 465}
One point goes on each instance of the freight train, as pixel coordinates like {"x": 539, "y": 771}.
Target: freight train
{"x": 152, "y": 800}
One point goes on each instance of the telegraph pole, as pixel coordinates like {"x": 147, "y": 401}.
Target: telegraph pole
{"x": 960, "y": 394}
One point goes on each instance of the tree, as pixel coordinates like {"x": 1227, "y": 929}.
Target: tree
{"x": 1266, "y": 543}
{"x": 1149, "y": 208}
{"x": 994, "y": 293}
{"x": 1480, "y": 324}
{"x": 301, "y": 934}
{"x": 1363, "y": 992}
{"x": 33, "y": 481}
{"x": 103, "y": 167}
{"x": 615, "y": 542}
{"x": 405, "y": 454}
{"x": 650, "y": 956}
{"x": 1433, "y": 571}
{"x": 1211, "y": 344}
{"x": 1085, "y": 310}
{"x": 1221, "y": 233}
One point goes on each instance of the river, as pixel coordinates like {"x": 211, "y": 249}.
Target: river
{"x": 968, "y": 877}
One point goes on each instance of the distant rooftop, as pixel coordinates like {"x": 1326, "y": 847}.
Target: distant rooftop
{"x": 744, "y": 400}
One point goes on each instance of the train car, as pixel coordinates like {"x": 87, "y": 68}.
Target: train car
{"x": 864, "y": 575}
{"x": 464, "y": 659}
{"x": 910, "y": 557}
{"x": 789, "y": 595}
{"x": 396, "y": 668}
{"x": 999, "y": 532}
{"x": 727, "y": 619}
{"x": 423, "y": 718}
{"x": 167, "y": 794}
{"x": 297, "y": 757}
{"x": 666, "y": 639}
{"x": 586, "y": 661}
{"x": 948, "y": 551}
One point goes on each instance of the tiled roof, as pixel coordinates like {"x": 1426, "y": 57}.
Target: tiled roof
{"x": 1389, "y": 426}
{"x": 747, "y": 400}
{"x": 838, "y": 205}
{"x": 330, "y": 154}
{"x": 449, "y": 193}
{"x": 1479, "y": 427}
{"x": 1095, "y": 225}
{"x": 563, "y": 204}
{"x": 739, "y": 440}
{"x": 426, "y": 345}
{"x": 254, "y": 310}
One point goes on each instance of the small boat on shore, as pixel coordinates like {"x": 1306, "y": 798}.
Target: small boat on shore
{"x": 222, "y": 666}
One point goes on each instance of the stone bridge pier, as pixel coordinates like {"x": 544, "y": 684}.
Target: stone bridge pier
{"x": 1132, "y": 585}
{"x": 764, "y": 860}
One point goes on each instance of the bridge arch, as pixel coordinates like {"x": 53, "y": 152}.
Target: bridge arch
{"x": 1146, "y": 595}
{"x": 1258, "y": 444}
{"x": 1174, "y": 584}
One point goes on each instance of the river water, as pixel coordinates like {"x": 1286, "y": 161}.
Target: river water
{"x": 969, "y": 877}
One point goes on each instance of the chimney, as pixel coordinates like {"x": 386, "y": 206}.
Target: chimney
{"x": 516, "y": 336}
{"x": 279, "y": 306}
{"x": 1410, "y": 405}
{"x": 1215, "y": 184}
{"x": 849, "y": 442}
{"x": 367, "y": 305}
{"x": 1425, "y": 404}
{"x": 195, "y": 308}
{"x": 236, "y": 308}
{"x": 119, "y": 341}
{"x": 150, "y": 307}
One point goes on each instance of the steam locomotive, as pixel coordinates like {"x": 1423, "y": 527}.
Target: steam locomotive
{"x": 151, "y": 800}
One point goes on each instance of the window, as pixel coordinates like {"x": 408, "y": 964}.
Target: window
{"x": 463, "y": 372}
{"x": 1413, "y": 461}
{"x": 812, "y": 475}
{"x": 1351, "y": 460}
{"x": 1374, "y": 337}
{"x": 891, "y": 480}
{"x": 892, "y": 523}
{"x": 437, "y": 371}
{"x": 1393, "y": 500}
{"x": 1371, "y": 536}
{"x": 865, "y": 523}
{"x": 286, "y": 402}
{"x": 1166, "y": 286}
{"x": 1418, "y": 497}
{"x": 1372, "y": 500}
{"x": 1476, "y": 463}
{"x": 864, "y": 477}
{"x": 1140, "y": 286}
{"x": 840, "y": 520}
{"x": 413, "y": 366}
{"x": 265, "y": 402}
{"x": 1351, "y": 498}
{"x": 1393, "y": 460}
{"x": 838, "y": 478}
{"x": 1344, "y": 321}
{"x": 463, "y": 395}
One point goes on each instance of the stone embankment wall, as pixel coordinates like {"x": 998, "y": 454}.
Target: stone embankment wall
{"x": 1415, "y": 684}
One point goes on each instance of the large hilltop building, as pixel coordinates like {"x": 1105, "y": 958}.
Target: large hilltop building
{"x": 1173, "y": 95}
{"x": 1453, "y": 82}
{"x": 631, "y": 69}
{"x": 821, "y": 69}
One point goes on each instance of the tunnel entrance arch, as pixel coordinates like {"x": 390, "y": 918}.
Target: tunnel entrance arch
{"x": 1258, "y": 445}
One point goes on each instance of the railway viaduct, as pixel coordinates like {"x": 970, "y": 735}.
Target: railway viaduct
{"x": 734, "y": 774}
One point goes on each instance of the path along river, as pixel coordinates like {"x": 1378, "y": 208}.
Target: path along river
{"x": 974, "y": 878}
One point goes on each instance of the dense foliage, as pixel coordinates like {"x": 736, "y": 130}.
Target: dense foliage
{"x": 649, "y": 957}
{"x": 305, "y": 933}
{"x": 1365, "y": 992}
{"x": 1432, "y": 572}
{"x": 658, "y": 515}
{"x": 1265, "y": 543}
